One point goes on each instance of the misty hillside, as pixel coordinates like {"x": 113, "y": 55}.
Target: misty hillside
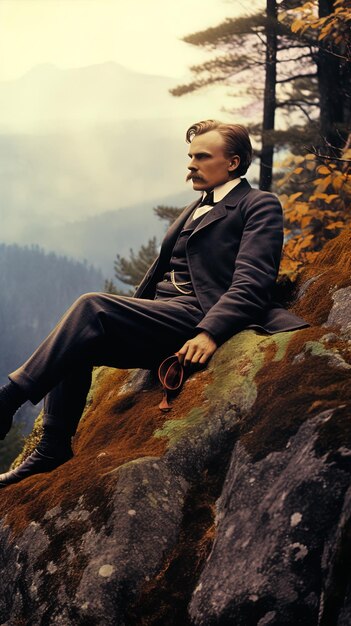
{"x": 36, "y": 288}
{"x": 99, "y": 238}
{"x": 79, "y": 145}
{"x": 73, "y": 175}
{"x": 77, "y": 142}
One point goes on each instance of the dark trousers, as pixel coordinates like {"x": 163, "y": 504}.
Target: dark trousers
{"x": 102, "y": 329}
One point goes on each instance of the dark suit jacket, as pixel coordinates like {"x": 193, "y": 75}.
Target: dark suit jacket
{"x": 233, "y": 256}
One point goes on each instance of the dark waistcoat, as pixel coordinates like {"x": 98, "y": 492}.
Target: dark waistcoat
{"x": 178, "y": 266}
{"x": 233, "y": 258}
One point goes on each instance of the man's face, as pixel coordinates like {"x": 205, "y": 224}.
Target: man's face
{"x": 209, "y": 167}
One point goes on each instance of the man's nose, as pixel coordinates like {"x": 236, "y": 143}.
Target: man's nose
{"x": 192, "y": 165}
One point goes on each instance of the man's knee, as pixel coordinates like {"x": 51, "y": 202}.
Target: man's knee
{"x": 88, "y": 298}
{"x": 87, "y": 302}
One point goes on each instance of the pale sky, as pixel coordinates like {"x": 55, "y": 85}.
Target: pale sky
{"x": 63, "y": 131}
{"x": 143, "y": 35}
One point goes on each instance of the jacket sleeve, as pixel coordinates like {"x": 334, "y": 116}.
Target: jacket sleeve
{"x": 255, "y": 269}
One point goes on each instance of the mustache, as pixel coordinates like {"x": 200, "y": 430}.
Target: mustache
{"x": 191, "y": 175}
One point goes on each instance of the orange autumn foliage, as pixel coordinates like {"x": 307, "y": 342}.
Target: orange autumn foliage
{"x": 319, "y": 211}
{"x": 334, "y": 28}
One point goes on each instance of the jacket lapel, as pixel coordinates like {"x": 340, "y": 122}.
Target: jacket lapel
{"x": 173, "y": 231}
{"x": 220, "y": 209}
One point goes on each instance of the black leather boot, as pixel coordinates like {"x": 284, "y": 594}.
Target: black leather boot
{"x": 35, "y": 463}
{"x": 53, "y": 450}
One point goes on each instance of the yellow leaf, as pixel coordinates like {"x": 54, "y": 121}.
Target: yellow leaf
{"x": 338, "y": 182}
{"x": 318, "y": 196}
{"x": 323, "y": 169}
{"x": 307, "y": 241}
{"x": 323, "y": 183}
{"x": 294, "y": 196}
{"x": 331, "y": 197}
{"x": 297, "y": 25}
{"x": 335, "y": 225}
{"x": 298, "y": 170}
{"x": 306, "y": 221}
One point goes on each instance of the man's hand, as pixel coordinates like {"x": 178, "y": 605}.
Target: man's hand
{"x": 197, "y": 350}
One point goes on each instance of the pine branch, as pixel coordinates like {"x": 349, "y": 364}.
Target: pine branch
{"x": 180, "y": 90}
{"x": 296, "y": 104}
{"x": 303, "y": 56}
{"x": 292, "y": 78}
{"x": 327, "y": 157}
{"x": 288, "y": 46}
{"x": 168, "y": 213}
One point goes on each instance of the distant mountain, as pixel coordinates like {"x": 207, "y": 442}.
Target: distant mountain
{"x": 96, "y": 239}
{"x": 79, "y": 145}
{"x": 50, "y": 99}
{"x": 99, "y": 238}
{"x": 78, "y": 142}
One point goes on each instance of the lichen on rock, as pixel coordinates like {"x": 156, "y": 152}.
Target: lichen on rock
{"x": 234, "y": 508}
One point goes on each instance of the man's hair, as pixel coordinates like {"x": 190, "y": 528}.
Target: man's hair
{"x": 236, "y": 140}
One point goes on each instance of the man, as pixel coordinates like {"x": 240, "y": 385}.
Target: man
{"x": 214, "y": 276}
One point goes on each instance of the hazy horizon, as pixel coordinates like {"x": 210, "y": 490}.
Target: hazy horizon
{"x": 90, "y": 129}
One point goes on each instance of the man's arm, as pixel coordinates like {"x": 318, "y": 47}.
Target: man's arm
{"x": 255, "y": 272}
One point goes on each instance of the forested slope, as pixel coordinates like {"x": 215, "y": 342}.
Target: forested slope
{"x": 35, "y": 288}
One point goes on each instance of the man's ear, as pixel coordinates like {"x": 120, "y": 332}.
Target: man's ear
{"x": 234, "y": 163}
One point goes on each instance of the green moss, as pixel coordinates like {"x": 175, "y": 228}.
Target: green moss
{"x": 281, "y": 341}
{"x": 98, "y": 375}
{"x": 235, "y": 366}
{"x": 175, "y": 429}
{"x": 139, "y": 461}
{"x": 316, "y": 348}
{"x": 30, "y": 442}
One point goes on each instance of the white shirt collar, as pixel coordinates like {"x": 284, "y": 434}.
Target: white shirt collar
{"x": 218, "y": 194}
{"x": 222, "y": 190}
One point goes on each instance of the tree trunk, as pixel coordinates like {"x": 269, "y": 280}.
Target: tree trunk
{"x": 269, "y": 104}
{"x": 331, "y": 92}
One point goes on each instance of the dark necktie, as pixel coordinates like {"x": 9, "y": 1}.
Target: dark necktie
{"x": 208, "y": 199}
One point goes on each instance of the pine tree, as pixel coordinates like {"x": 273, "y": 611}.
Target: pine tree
{"x": 328, "y": 21}
{"x": 132, "y": 270}
{"x": 167, "y": 213}
{"x": 263, "y": 44}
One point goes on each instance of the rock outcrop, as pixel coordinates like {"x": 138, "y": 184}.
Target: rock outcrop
{"x": 234, "y": 508}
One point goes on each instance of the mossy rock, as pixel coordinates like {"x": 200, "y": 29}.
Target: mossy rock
{"x": 232, "y": 508}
